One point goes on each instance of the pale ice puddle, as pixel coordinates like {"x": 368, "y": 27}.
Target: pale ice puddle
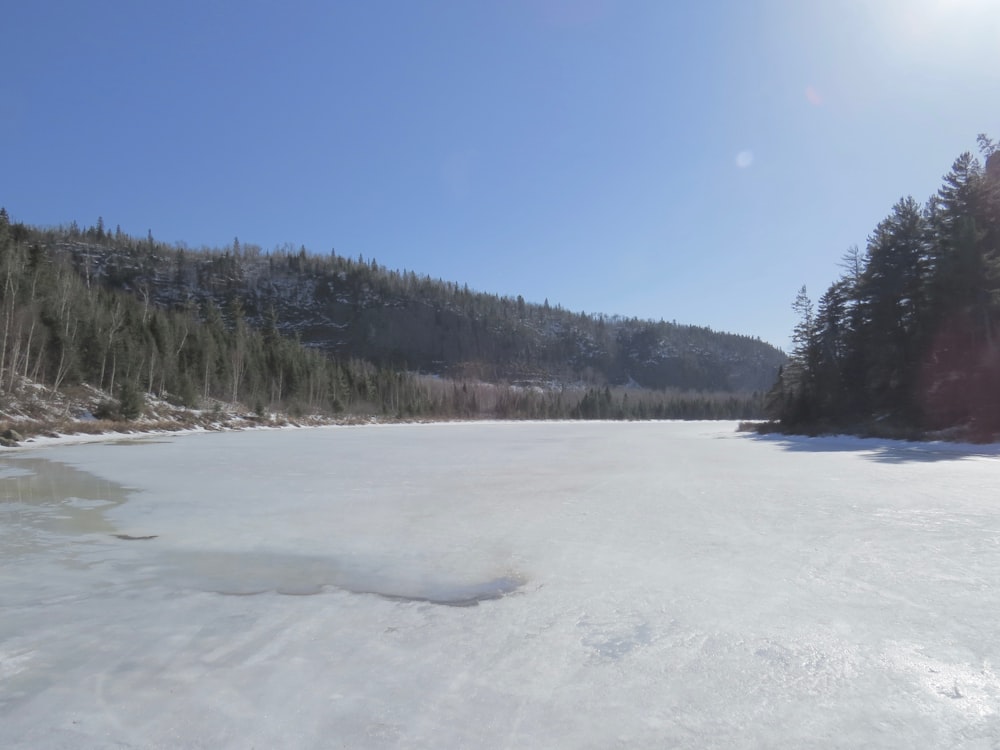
{"x": 249, "y": 573}
{"x": 44, "y": 502}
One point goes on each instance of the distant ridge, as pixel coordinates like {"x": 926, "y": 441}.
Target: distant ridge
{"x": 399, "y": 319}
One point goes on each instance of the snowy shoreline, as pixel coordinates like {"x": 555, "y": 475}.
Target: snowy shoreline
{"x": 832, "y": 442}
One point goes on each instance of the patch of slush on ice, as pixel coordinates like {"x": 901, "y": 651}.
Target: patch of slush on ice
{"x": 614, "y": 639}
{"x": 238, "y": 573}
{"x": 806, "y": 663}
{"x": 42, "y": 500}
{"x": 971, "y": 690}
{"x": 87, "y": 503}
{"x": 452, "y": 595}
{"x": 812, "y": 663}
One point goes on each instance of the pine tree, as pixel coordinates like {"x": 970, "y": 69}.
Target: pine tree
{"x": 892, "y": 299}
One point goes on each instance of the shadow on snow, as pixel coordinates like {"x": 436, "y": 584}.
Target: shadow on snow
{"x": 881, "y": 450}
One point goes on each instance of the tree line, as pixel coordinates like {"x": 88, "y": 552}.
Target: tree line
{"x": 905, "y": 340}
{"x": 354, "y": 307}
{"x": 199, "y": 327}
{"x": 60, "y": 328}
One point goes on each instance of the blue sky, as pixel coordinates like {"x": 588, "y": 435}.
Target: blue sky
{"x": 693, "y": 161}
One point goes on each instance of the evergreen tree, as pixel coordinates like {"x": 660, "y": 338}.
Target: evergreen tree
{"x": 907, "y": 336}
{"x": 892, "y": 300}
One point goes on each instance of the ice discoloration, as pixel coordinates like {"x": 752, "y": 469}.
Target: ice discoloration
{"x": 450, "y": 594}
{"x": 256, "y": 572}
{"x": 616, "y": 638}
{"x": 43, "y": 501}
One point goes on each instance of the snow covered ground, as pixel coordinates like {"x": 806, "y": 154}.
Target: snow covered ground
{"x": 599, "y": 585}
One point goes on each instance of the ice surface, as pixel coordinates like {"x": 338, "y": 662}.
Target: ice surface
{"x": 622, "y": 585}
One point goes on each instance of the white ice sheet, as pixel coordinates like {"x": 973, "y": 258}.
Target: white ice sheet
{"x": 625, "y": 585}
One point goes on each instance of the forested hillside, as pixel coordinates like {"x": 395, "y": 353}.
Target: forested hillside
{"x": 905, "y": 340}
{"x": 61, "y": 329}
{"x": 294, "y": 331}
{"x": 352, "y": 308}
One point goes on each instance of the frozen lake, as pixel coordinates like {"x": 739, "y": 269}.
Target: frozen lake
{"x": 574, "y": 585}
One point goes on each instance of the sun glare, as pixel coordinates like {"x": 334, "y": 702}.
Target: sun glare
{"x": 967, "y": 29}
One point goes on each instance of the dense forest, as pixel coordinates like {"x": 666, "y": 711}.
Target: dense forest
{"x": 355, "y": 308}
{"x": 904, "y": 342}
{"x": 288, "y": 330}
